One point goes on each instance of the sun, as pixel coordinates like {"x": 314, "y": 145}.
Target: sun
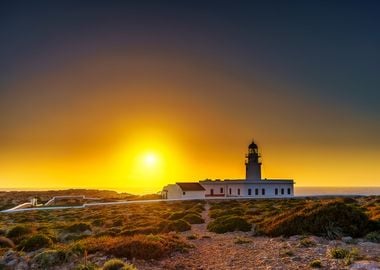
{"x": 150, "y": 160}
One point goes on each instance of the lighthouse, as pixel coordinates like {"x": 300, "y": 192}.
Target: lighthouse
{"x": 253, "y": 163}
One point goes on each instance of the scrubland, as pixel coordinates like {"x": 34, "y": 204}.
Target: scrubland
{"x": 330, "y": 233}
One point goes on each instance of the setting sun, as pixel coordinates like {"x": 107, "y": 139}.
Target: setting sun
{"x": 150, "y": 160}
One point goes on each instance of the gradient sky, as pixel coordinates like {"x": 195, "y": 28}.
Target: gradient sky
{"x": 89, "y": 88}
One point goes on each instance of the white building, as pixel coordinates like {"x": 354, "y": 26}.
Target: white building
{"x": 180, "y": 190}
{"x": 253, "y": 186}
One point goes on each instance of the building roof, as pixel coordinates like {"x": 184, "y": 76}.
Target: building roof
{"x": 190, "y": 186}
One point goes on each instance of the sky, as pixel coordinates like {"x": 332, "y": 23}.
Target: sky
{"x": 132, "y": 95}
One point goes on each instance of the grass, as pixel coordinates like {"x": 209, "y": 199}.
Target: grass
{"x": 35, "y": 242}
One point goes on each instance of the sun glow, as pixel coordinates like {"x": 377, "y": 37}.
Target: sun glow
{"x": 150, "y": 160}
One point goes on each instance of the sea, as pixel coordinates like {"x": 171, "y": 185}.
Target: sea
{"x": 299, "y": 191}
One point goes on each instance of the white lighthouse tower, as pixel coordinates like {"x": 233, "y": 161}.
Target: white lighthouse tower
{"x": 253, "y": 163}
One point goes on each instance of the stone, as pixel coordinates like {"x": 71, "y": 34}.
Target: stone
{"x": 348, "y": 239}
{"x": 365, "y": 265}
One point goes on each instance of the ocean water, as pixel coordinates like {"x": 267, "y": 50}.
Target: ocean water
{"x": 310, "y": 191}
{"x": 298, "y": 191}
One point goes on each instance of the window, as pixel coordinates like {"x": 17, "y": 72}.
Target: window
{"x": 276, "y": 191}
{"x": 184, "y": 193}
{"x": 282, "y": 191}
{"x": 256, "y": 191}
{"x": 289, "y": 191}
{"x": 230, "y": 191}
{"x": 212, "y": 191}
{"x": 221, "y": 190}
{"x": 238, "y": 191}
{"x": 249, "y": 192}
{"x": 263, "y": 191}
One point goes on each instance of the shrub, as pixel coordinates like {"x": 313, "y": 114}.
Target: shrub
{"x": 137, "y": 246}
{"x": 177, "y": 215}
{"x": 36, "y": 242}
{"x": 331, "y": 219}
{"x": 241, "y": 240}
{"x": 18, "y": 231}
{"x": 113, "y": 264}
{"x": 193, "y": 219}
{"x": 352, "y": 256}
{"x": 236, "y": 211}
{"x": 88, "y": 266}
{"x": 339, "y": 253}
{"x": 78, "y": 227}
{"x": 50, "y": 258}
{"x": 177, "y": 226}
{"x": 229, "y": 224}
{"x": 307, "y": 242}
{"x": 6, "y": 242}
{"x": 316, "y": 264}
{"x": 373, "y": 237}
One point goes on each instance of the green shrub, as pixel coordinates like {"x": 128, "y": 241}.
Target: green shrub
{"x": 177, "y": 226}
{"x": 50, "y": 258}
{"x": 113, "y": 264}
{"x": 331, "y": 219}
{"x": 18, "y": 231}
{"x": 6, "y": 242}
{"x": 88, "y": 266}
{"x": 35, "y": 242}
{"x": 78, "y": 227}
{"x": 339, "y": 253}
{"x": 352, "y": 256}
{"x": 137, "y": 246}
{"x": 307, "y": 242}
{"x": 193, "y": 219}
{"x": 177, "y": 215}
{"x": 316, "y": 264}
{"x": 373, "y": 237}
{"x": 229, "y": 224}
{"x": 236, "y": 211}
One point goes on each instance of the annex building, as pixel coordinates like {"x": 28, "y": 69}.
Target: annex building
{"x": 253, "y": 186}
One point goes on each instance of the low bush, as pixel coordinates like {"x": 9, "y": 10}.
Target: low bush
{"x": 339, "y": 253}
{"x": 373, "y": 237}
{"x": 113, "y": 264}
{"x": 35, "y": 242}
{"x": 176, "y": 226}
{"x": 194, "y": 219}
{"x": 307, "y": 242}
{"x": 332, "y": 220}
{"x": 18, "y": 231}
{"x": 137, "y": 246}
{"x": 6, "y": 242}
{"x": 50, "y": 258}
{"x": 316, "y": 264}
{"x": 229, "y": 224}
{"x": 236, "y": 211}
{"x": 78, "y": 227}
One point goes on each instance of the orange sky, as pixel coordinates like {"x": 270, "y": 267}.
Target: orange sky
{"x": 85, "y": 124}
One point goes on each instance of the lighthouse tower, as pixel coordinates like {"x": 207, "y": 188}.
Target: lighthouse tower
{"x": 253, "y": 163}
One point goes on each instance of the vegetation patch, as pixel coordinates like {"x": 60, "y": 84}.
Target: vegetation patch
{"x": 35, "y": 242}
{"x": 193, "y": 219}
{"x": 229, "y": 224}
{"x": 78, "y": 227}
{"x": 332, "y": 220}
{"x": 116, "y": 264}
{"x": 316, "y": 264}
{"x": 137, "y": 246}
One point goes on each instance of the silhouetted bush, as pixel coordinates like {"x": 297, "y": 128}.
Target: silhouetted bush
{"x": 137, "y": 246}
{"x": 229, "y": 224}
{"x": 35, "y": 242}
{"x": 194, "y": 219}
{"x": 18, "y": 231}
{"x": 78, "y": 227}
{"x": 332, "y": 220}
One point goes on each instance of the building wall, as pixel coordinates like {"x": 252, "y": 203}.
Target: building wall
{"x": 264, "y": 190}
{"x": 175, "y": 192}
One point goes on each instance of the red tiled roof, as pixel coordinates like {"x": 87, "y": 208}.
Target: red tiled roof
{"x": 191, "y": 186}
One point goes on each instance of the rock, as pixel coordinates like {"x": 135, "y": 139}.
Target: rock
{"x": 347, "y": 239}
{"x": 365, "y": 265}
{"x": 87, "y": 232}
